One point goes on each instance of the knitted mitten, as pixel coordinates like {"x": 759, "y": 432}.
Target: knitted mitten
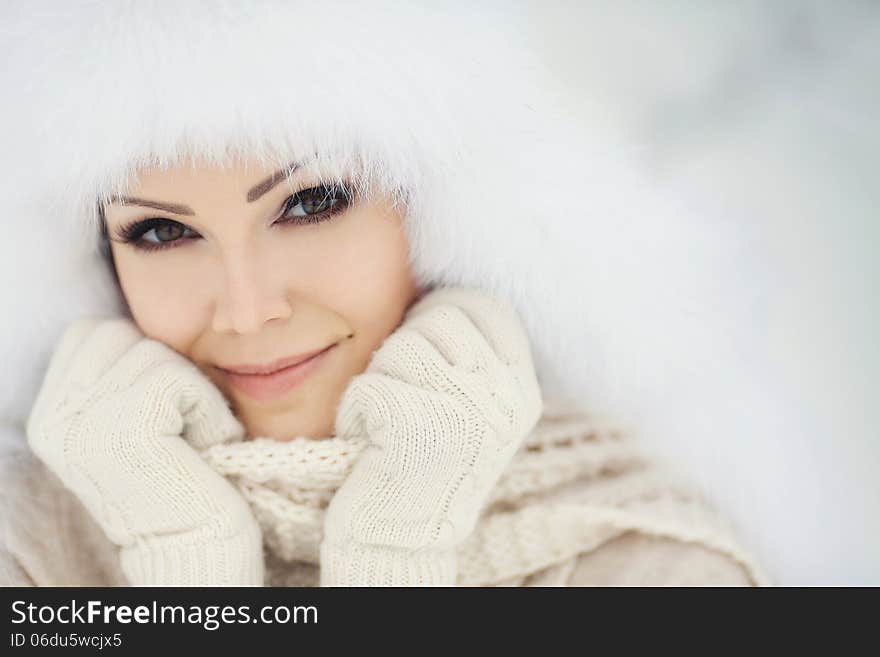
{"x": 118, "y": 419}
{"x": 445, "y": 403}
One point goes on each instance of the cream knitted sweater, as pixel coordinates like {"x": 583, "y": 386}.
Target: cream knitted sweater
{"x": 579, "y": 505}
{"x": 574, "y": 485}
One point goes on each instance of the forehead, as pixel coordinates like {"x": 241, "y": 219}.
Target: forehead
{"x": 200, "y": 176}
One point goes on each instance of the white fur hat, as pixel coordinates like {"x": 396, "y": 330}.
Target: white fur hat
{"x": 635, "y": 306}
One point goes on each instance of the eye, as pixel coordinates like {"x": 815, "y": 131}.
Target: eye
{"x": 168, "y": 231}
{"x": 155, "y": 233}
{"x": 316, "y": 204}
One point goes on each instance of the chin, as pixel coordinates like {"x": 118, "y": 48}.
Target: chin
{"x": 286, "y": 425}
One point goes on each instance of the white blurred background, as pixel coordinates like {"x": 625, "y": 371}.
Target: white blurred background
{"x": 768, "y": 113}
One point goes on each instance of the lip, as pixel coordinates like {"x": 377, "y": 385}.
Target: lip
{"x": 272, "y": 367}
{"x": 280, "y": 377}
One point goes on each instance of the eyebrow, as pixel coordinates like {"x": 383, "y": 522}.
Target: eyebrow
{"x": 253, "y": 194}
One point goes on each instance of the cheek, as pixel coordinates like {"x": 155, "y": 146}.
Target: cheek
{"x": 163, "y": 309}
{"x": 368, "y": 276}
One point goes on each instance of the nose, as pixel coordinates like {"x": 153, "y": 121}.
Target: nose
{"x": 249, "y": 298}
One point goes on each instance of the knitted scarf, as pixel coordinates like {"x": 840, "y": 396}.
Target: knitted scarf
{"x": 575, "y": 483}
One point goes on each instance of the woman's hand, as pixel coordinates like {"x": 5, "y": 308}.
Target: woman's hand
{"x": 445, "y": 403}
{"x": 118, "y": 419}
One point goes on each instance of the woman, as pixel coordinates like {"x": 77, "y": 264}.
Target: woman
{"x": 331, "y": 286}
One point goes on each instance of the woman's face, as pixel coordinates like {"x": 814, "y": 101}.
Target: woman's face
{"x": 249, "y": 267}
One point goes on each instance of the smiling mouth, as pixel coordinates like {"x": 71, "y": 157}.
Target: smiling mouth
{"x": 274, "y": 383}
{"x": 274, "y": 366}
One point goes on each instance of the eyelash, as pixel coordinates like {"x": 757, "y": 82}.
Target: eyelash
{"x": 132, "y": 233}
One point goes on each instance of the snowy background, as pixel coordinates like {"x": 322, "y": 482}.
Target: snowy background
{"x": 768, "y": 113}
